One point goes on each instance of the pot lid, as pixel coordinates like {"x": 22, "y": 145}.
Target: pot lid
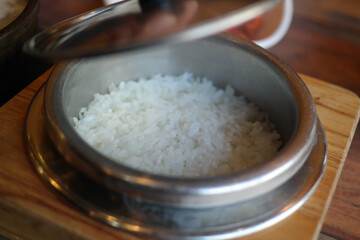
{"x": 134, "y": 24}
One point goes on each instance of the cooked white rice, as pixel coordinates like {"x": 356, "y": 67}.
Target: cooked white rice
{"x": 178, "y": 125}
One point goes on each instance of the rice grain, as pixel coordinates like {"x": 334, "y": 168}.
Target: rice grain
{"x": 178, "y": 126}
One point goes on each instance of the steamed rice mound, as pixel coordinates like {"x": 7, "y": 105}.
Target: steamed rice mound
{"x": 179, "y": 126}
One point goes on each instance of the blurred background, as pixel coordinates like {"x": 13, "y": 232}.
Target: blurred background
{"x": 322, "y": 41}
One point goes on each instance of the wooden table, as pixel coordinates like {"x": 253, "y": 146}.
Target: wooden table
{"x": 30, "y": 210}
{"x": 323, "y": 42}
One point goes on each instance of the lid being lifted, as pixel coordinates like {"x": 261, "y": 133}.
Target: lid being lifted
{"x": 133, "y": 24}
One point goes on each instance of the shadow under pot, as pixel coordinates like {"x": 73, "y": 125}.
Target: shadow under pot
{"x": 173, "y": 206}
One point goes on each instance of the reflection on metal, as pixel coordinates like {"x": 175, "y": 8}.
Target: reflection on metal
{"x": 130, "y": 25}
{"x": 133, "y": 215}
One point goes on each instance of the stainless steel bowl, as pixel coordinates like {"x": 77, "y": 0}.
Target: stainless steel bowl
{"x": 251, "y": 70}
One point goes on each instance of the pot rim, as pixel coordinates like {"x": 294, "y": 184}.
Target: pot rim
{"x": 179, "y": 190}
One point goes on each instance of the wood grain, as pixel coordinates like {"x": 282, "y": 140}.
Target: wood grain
{"x": 323, "y": 41}
{"x": 29, "y": 210}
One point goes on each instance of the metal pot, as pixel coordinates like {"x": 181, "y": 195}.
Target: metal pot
{"x": 258, "y": 75}
{"x": 175, "y": 207}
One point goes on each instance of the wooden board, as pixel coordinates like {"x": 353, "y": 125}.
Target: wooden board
{"x": 29, "y": 210}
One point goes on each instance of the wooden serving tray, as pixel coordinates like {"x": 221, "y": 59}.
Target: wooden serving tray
{"x": 30, "y": 210}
